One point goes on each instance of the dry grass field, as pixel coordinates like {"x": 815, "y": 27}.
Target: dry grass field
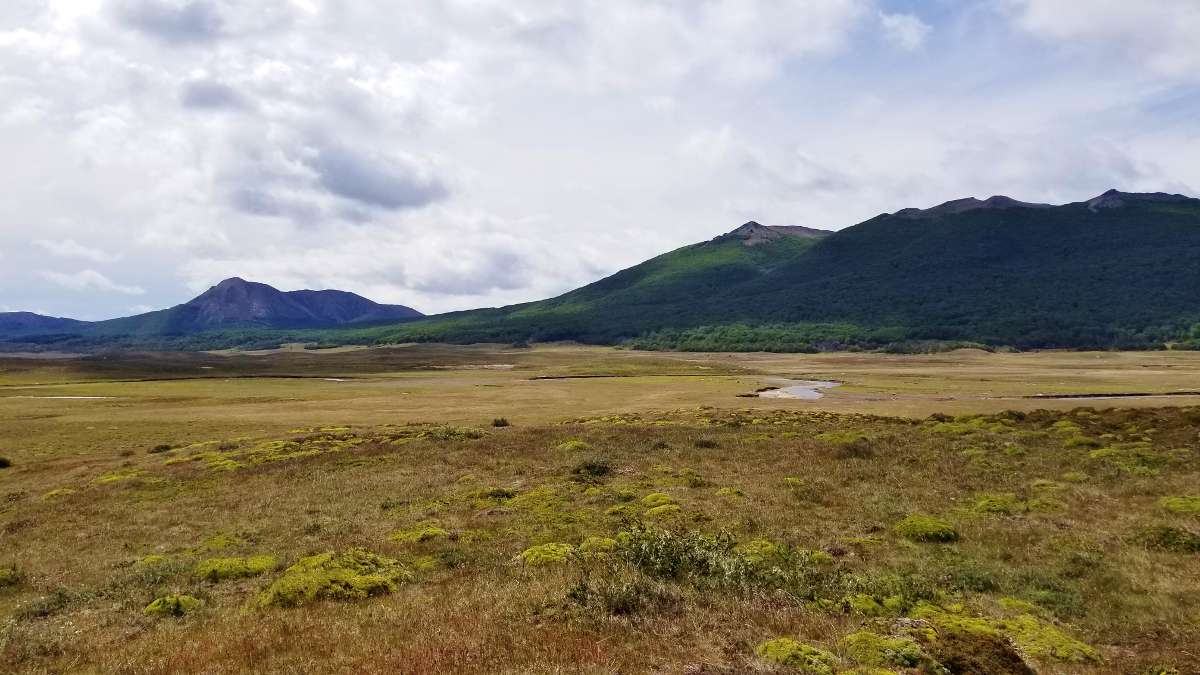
{"x": 562, "y": 509}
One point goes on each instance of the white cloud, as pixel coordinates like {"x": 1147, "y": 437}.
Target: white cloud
{"x": 69, "y": 248}
{"x": 90, "y": 280}
{"x": 1158, "y": 34}
{"x": 905, "y": 31}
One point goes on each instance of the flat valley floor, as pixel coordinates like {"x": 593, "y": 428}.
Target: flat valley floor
{"x": 565, "y": 509}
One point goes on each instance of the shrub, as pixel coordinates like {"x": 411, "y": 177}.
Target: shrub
{"x": 500, "y": 422}
{"x": 173, "y": 605}
{"x": 1167, "y": 538}
{"x": 1188, "y": 505}
{"x": 354, "y": 574}
{"x": 419, "y": 534}
{"x": 805, "y": 658}
{"x": 547, "y": 554}
{"x": 160, "y": 448}
{"x": 219, "y": 569}
{"x": 590, "y": 469}
{"x": 919, "y": 527}
{"x": 705, "y": 442}
{"x": 5, "y": 462}
{"x": 9, "y": 576}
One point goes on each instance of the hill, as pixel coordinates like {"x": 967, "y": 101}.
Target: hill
{"x": 233, "y": 304}
{"x": 1119, "y": 270}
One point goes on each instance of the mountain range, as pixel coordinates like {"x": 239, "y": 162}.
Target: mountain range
{"x": 232, "y": 304}
{"x": 1121, "y": 270}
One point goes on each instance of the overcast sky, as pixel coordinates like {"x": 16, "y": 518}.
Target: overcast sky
{"x": 463, "y": 153}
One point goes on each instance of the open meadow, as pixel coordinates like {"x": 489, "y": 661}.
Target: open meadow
{"x": 565, "y": 509}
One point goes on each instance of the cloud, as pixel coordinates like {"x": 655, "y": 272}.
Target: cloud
{"x": 172, "y": 21}
{"x": 69, "y": 248}
{"x": 209, "y": 95}
{"x": 90, "y": 280}
{"x": 389, "y": 181}
{"x": 1157, "y": 34}
{"x": 905, "y": 31}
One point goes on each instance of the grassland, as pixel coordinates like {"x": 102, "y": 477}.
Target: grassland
{"x": 635, "y": 515}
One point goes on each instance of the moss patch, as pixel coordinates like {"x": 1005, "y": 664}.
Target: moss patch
{"x": 655, "y": 499}
{"x": 420, "y": 534}
{"x": 1189, "y": 505}
{"x": 9, "y": 577}
{"x": 1040, "y": 639}
{"x": 220, "y": 569}
{"x": 793, "y": 654}
{"x": 573, "y": 445}
{"x": 173, "y": 605}
{"x": 872, "y": 649}
{"x": 920, "y": 527}
{"x": 662, "y": 511}
{"x": 354, "y": 574}
{"x": 1168, "y": 538}
{"x": 1004, "y": 503}
{"x": 547, "y": 554}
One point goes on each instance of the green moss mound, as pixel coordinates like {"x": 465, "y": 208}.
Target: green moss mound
{"x": 1189, "y": 505}
{"x": 420, "y": 534}
{"x": 547, "y": 554}
{"x": 173, "y": 605}
{"x": 1003, "y": 504}
{"x": 793, "y": 654}
{"x": 573, "y": 445}
{"x": 1040, "y": 639}
{"x": 595, "y": 545}
{"x": 655, "y": 499}
{"x": 354, "y": 574}
{"x": 663, "y": 511}
{"x": 920, "y": 527}
{"x": 220, "y": 569}
{"x": 872, "y": 649}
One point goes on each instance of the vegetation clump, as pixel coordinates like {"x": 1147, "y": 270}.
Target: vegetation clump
{"x": 793, "y": 654}
{"x": 354, "y": 574}
{"x": 547, "y": 554}
{"x": 662, "y": 511}
{"x": 1005, "y": 504}
{"x": 595, "y": 545}
{"x": 220, "y": 569}
{"x": 173, "y": 605}
{"x": 1189, "y": 504}
{"x": 920, "y": 527}
{"x": 420, "y": 534}
{"x": 592, "y": 469}
{"x": 1168, "y": 538}
{"x": 9, "y": 576}
{"x": 574, "y": 445}
{"x": 500, "y": 422}
{"x": 656, "y": 499}
{"x": 872, "y": 649}
{"x": 5, "y": 462}
{"x": 1040, "y": 639}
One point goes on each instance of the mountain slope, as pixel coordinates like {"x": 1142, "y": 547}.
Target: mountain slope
{"x": 1118, "y": 270}
{"x": 28, "y": 323}
{"x": 232, "y": 304}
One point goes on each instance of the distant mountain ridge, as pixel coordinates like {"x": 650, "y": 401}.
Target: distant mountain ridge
{"x": 233, "y": 303}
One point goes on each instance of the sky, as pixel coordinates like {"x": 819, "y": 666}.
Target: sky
{"x": 450, "y": 154}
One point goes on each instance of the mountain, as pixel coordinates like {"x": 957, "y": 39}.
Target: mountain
{"x": 1119, "y": 270}
{"x": 232, "y": 304}
{"x": 28, "y": 323}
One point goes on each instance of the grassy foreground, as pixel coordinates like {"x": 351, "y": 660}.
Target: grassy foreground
{"x": 697, "y": 540}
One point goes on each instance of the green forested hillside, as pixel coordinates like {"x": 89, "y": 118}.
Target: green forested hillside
{"x": 1118, "y": 271}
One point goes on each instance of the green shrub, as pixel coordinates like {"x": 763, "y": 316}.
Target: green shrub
{"x": 1168, "y": 538}
{"x": 547, "y": 554}
{"x": 1187, "y": 504}
{"x": 173, "y": 605}
{"x": 354, "y": 574}
{"x": 219, "y": 569}
{"x": 802, "y": 657}
{"x": 592, "y": 468}
{"x": 920, "y": 527}
{"x": 9, "y": 576}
